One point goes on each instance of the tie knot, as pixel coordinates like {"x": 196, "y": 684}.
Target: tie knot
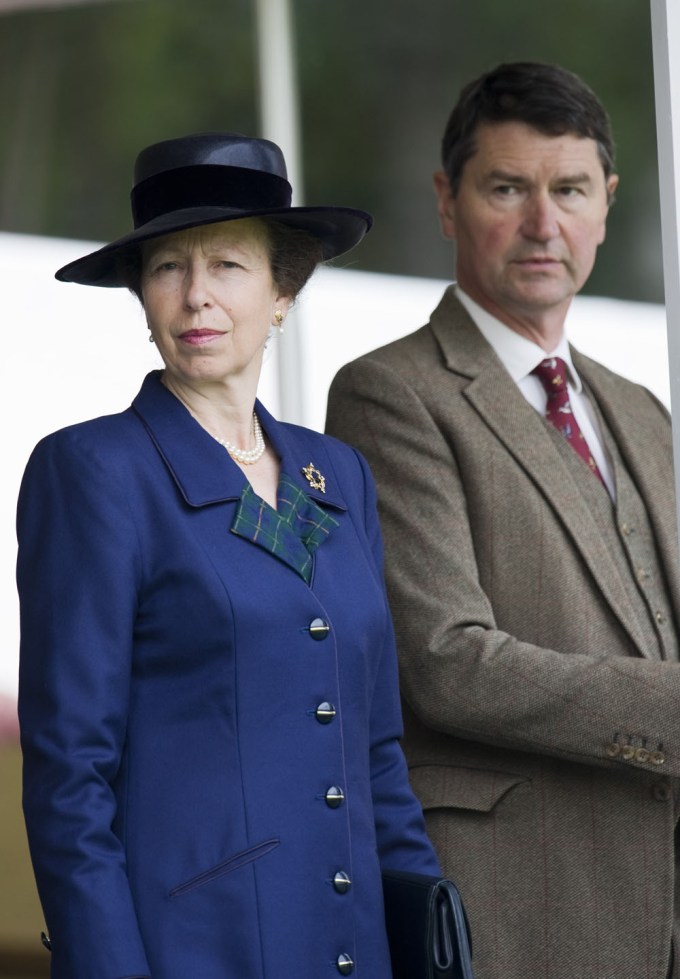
{"x": 552, "y": 373}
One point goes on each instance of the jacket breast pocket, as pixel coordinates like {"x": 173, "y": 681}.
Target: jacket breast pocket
{"x": 226, "y": 867}
{"x": 449, "y": 787}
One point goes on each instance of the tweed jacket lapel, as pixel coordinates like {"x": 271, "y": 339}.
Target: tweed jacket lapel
{"x": 496, "y": 398}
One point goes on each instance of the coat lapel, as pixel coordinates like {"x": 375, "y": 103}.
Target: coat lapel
{"x": 300, "y": 450}
{"x": 205, "y": 474}
{"x": 201, "y": 468}
{"x": 499, "y": 403}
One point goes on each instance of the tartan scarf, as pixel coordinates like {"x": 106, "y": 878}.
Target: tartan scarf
{"x": 292, "y": 532}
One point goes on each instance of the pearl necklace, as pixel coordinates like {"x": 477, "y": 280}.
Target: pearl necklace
{"x": 246, "y": 456}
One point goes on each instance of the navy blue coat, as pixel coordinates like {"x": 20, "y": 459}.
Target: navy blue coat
{"x": 176, "y": 767}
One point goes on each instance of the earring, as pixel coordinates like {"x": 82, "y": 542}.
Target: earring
{"x": 150, "y": 338}
{"x": 278, "y": 319}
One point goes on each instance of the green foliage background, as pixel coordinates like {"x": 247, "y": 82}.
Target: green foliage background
{"x": 86, "y": 87}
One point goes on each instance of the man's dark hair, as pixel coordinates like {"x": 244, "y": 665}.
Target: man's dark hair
{"x": 548, "y": 98}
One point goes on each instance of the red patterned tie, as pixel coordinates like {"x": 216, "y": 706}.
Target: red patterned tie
{"x": 553, "y": 375}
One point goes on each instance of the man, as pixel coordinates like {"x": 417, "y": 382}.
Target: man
{"x": 532, "y": 561}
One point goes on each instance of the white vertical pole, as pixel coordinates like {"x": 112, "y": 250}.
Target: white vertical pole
{"x": 279, "y": 110}
{"x": 279, "y": 105}
{"x": 666, "y": 49}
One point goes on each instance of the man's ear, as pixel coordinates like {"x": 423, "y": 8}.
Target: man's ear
{"x": 445, "y": 204}
{"x": 612, "y": 184}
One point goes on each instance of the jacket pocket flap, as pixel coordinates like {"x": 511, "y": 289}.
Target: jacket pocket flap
{"x": 448, "y": 787}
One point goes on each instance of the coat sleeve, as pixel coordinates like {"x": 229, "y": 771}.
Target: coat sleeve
{"x": 400, "y": 828}
{"x": 457, "y": 666}
{"x": 77, "y": 570}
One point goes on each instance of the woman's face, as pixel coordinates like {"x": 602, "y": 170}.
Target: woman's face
{"x": 210, "y": 300}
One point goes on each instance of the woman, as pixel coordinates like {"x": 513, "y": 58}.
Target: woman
{"x": 208, "y": 689}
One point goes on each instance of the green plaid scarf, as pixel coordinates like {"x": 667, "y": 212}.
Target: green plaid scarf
{"x": 292, "y": 532}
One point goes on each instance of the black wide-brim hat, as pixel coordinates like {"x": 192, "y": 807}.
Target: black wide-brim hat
{"x": 210, "y": 177}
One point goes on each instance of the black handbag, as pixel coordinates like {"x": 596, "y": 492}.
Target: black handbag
{"x": 427, "y": 928}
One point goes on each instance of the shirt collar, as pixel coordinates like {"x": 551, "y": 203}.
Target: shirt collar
{"x": 518, "y": 355}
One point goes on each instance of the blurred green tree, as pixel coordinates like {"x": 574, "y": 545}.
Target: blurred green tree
{"x": 87, "y": 86}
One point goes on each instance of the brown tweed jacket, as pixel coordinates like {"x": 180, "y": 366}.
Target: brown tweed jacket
{"x": 521, "y": 661}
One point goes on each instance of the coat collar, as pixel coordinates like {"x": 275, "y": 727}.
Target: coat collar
{"x": 498, "y": 401}
{"x": 203, "y": 470}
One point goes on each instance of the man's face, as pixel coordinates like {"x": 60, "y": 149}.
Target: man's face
{"x": 527, "y": 218}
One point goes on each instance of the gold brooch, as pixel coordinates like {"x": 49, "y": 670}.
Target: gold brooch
{"x": 314, "y": 477}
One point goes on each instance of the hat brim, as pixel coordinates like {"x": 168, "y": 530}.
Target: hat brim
{"x": 337, "y": 228}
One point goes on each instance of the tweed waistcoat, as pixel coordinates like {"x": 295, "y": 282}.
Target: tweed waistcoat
{"x": 628, "y": 533}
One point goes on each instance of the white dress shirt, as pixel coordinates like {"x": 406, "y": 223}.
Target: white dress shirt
{"x": 520, "y": 356}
